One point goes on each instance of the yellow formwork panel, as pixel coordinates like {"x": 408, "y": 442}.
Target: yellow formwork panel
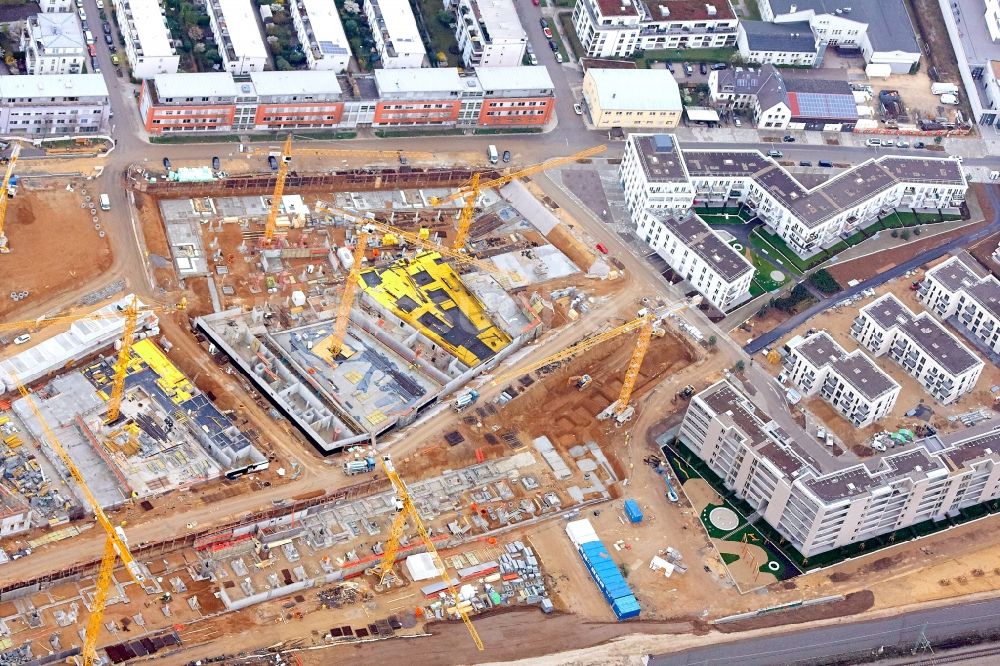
{"x": 397, "y": 282}
{"x": 171, "y": 380}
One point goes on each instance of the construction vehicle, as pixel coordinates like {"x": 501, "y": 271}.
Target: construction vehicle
{"x": 115, "y": 544}
{"x": 6, "y": 194}
{"x": 470, "y": 193}
{"x": 467, "y": 399}
{"x": 405, "y": 508}
{"x": 582, "y": 381}
{"x": 359, "y": 466}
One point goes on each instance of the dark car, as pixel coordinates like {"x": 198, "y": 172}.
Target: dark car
{"x": 670, "y": 67}
{"x": 112, "y": 48}
{"x": 216, "y": 164}
{"x": 272, "y": 162}
{"x": 720, "y": 65}
{"x": 805, "y": 163}
{"x": 704, "y": 68}
{"x": 542, "y": 22}
{"x": 506, "y": 156}
{"x": 108, "y": 39}
{"x": 919, "y": 144}
{"x": 553, "y": 46}
{"x": 825, "y": 163}
{"x": 107, "y": 28}
{"x": 788, "y": 139}
{"x": 166, "y": 163}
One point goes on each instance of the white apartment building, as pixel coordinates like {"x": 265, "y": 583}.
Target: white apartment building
{"x": 945, "y": 367}
{"x": 53, "y": 104}
{"x": 618, "y": 28}
{"x": 489, "y": 33}
{"x": 321, "y": 34}
{"x": 234, "y": 24}
{"x": 696, "y": 253}
{"x": 759, "y": 92}
{"x": 56, "y": 6}
{"x": 852, "y": 383}
{"x": 656, "y": 174}
{"x": 149, "y": 47}
{"x": 53, "y": 44}
{"x": 818, "y": 505}
{"x": 396, "y": 36}
{"x": 881, "y": 29}
{"x": 760, "y": 42}
{"x": 964, "y": 293}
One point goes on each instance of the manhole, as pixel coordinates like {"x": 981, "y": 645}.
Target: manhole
{"x": 723, "y": 518}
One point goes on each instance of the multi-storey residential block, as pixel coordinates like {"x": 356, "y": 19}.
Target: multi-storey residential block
{"x": 640, "y": 98}
{"x": 234, "y": 24}
{"x": 880, "y": 29}
{"x": 217, "y": 102}
{"x": 760, "y": 42}
{"x": 321, "y": 34}
{"x": 655, "y": 173}
{"x": 814, "y": 502}
{"x": 53, "y": 104}
{"x": 618, "y": 28}
{"x": 489, "y": 33}
{"x": 56, "y": 6}
{"x": 53, "y": 44}
{"x": 933, "y": 356}
{"x": 780, "y": 102}
{"x": 854, "y": 385}
{"x": 149, "y": 47}
{"x": 964, "y": 293}
{"x": 696, "y": 253}
{"x": 396, "y": 36}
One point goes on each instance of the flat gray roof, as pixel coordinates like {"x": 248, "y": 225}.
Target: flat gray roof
{"x": 725, "y": 162}
{"x": 820, "y": 349}
{"x": 700, "y": 238}
{"x": 889, "y": 26}
{"x": 787, "y": 37}
{"x": 660, "y": 158}
{"x": 867, "y": 378}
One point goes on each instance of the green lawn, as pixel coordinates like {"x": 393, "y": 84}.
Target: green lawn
{"x": 442, "y": 38}
{"x": 773, "y": 245}
{"x": 752, "y": 10}
{"x": 566, "y": 28}
{"x": 557, "y": 38}
{"x": 762, "y": 282}
{"x": 686, "y": 55}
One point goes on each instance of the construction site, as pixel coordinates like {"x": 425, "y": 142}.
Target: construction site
{"x": 404, "y": 324}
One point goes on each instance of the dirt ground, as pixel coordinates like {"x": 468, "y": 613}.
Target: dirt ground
{"x": 837, "y": 322}
{"x": 938, "y": 52}
{"x": 983, "y": 251}
{"x": 41, "y": 260}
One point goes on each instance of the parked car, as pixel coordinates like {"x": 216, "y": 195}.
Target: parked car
{"x": 704, "y": 68}
{"x": 776, "y": 154}
{"x": 919, "y": 144}
{"x": 107, "y": 38}
{"x": 272, "y": 162}
{"x": 21, "y": 339}
{"x": 902, "y": 144}
{"x": 887, "y": 143}
{"x": 821, "y": 433}
{"x": 578, "y": 109}
{"x": 506, "y": 156}
{"x": 719, "y": 66}
{"x": 873, "y": 143}
{"x": 805, "y": 163}
{"x": 535, "y": 2}
{"x": 216, "y": 164}
{"x": 166, "y": 163}
{"x": 559, "y": 57}
{"x": 93, "y": 64}
{"x": 553, "y": 46}
{"x": 688, "y": 69}
{"x": 114, "y": 59}
{"x": 547, "y": 32}
{"x": 825, "y": 163}
{"x": 100, "y": 4}
{"x": 92, "y": 50}
{"x": 106, "y": 27}
{"x": 670, "y": 67}
{"x": 112, "y": 48}
{"x": 83, "y": 14}
{"x": 788, "y": 138}
{"x": 737, "y": 122}
{"x": 602, "y": 248}
{"x": 79, "y": 4}
{"x": 542, "y": 22}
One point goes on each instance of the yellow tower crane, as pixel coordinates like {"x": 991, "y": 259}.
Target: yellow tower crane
{"x": 471, "y": 191}
{"x": 405, "y": 508}
{"x": 343, "y": 316}
{"x": 5, "y": 196}
{"x": 115, "y": 543}
{"x": 279, "y": 189}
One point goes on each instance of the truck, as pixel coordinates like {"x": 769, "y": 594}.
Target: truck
{"x": 466, "y": 399}
{"x": 949, "y": 99}
{"x": 492, "y": 153}
{"x": 105, "y": 202}
{"x": 944, "y": 88}
{"x": 359, "y": 466}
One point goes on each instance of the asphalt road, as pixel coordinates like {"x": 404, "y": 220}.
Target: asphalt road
{"x": 767, "y": 339}
{"x": 806, "y": 646}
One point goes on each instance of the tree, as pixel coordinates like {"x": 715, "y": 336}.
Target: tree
{"x": 740, "y": 366}
{"x": 351, "y": 28}
{"x": 445, "y": 17}
{"x": 894, "y": 233}
{"x": 905, "y": 235}
{"x": 825, "y": 282}
{"x": 200, "y": 47}
{"x": 281, "y": 64}
{"x": 712, "y": 341}
{"x": 196, "y": 34}
{"x": 296, "y": 57}
{"x": 916, "y": 232}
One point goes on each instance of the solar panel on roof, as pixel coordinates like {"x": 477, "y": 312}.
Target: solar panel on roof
{"x": 819, "y": 105}
{"x": 329, "y": 48}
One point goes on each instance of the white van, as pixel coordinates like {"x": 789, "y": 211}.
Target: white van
{"x": 89, "y": 36}
{"x": 105, "y": 202}
{"x": 21, "y": 339}
{"x": 493, "y": 154}
{"x": 873, "y": 143}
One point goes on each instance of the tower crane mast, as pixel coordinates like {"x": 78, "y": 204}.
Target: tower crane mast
{"x": 5, "y": 197}
{"x": 279, "y": 190}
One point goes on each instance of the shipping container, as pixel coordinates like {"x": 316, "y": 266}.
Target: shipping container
{"x": 633, "y": 511}
{"x": 625, "y": 608}
{"x": 604, "y": 570}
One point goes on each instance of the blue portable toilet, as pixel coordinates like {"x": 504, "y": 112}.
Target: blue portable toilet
{"x": 633, "y": 511}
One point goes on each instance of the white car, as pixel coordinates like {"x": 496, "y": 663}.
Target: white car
{"x": 578, "y": 109}
{"x": 821, "y": 434}
{"x": 21, "y": 339}
{"x": 100, "y": 4}
{"x": 559, "y": 57}
{"x": 83, "y": 14}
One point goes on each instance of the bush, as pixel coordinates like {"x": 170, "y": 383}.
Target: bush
{"x": 825, "y": 282}
{"x": 916, "y": 232}
{"x": 740, "y": 366}
{"x": 788, "y": 303}
{"x": 894, "y": 234}
{"x": 905, "y": 235}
